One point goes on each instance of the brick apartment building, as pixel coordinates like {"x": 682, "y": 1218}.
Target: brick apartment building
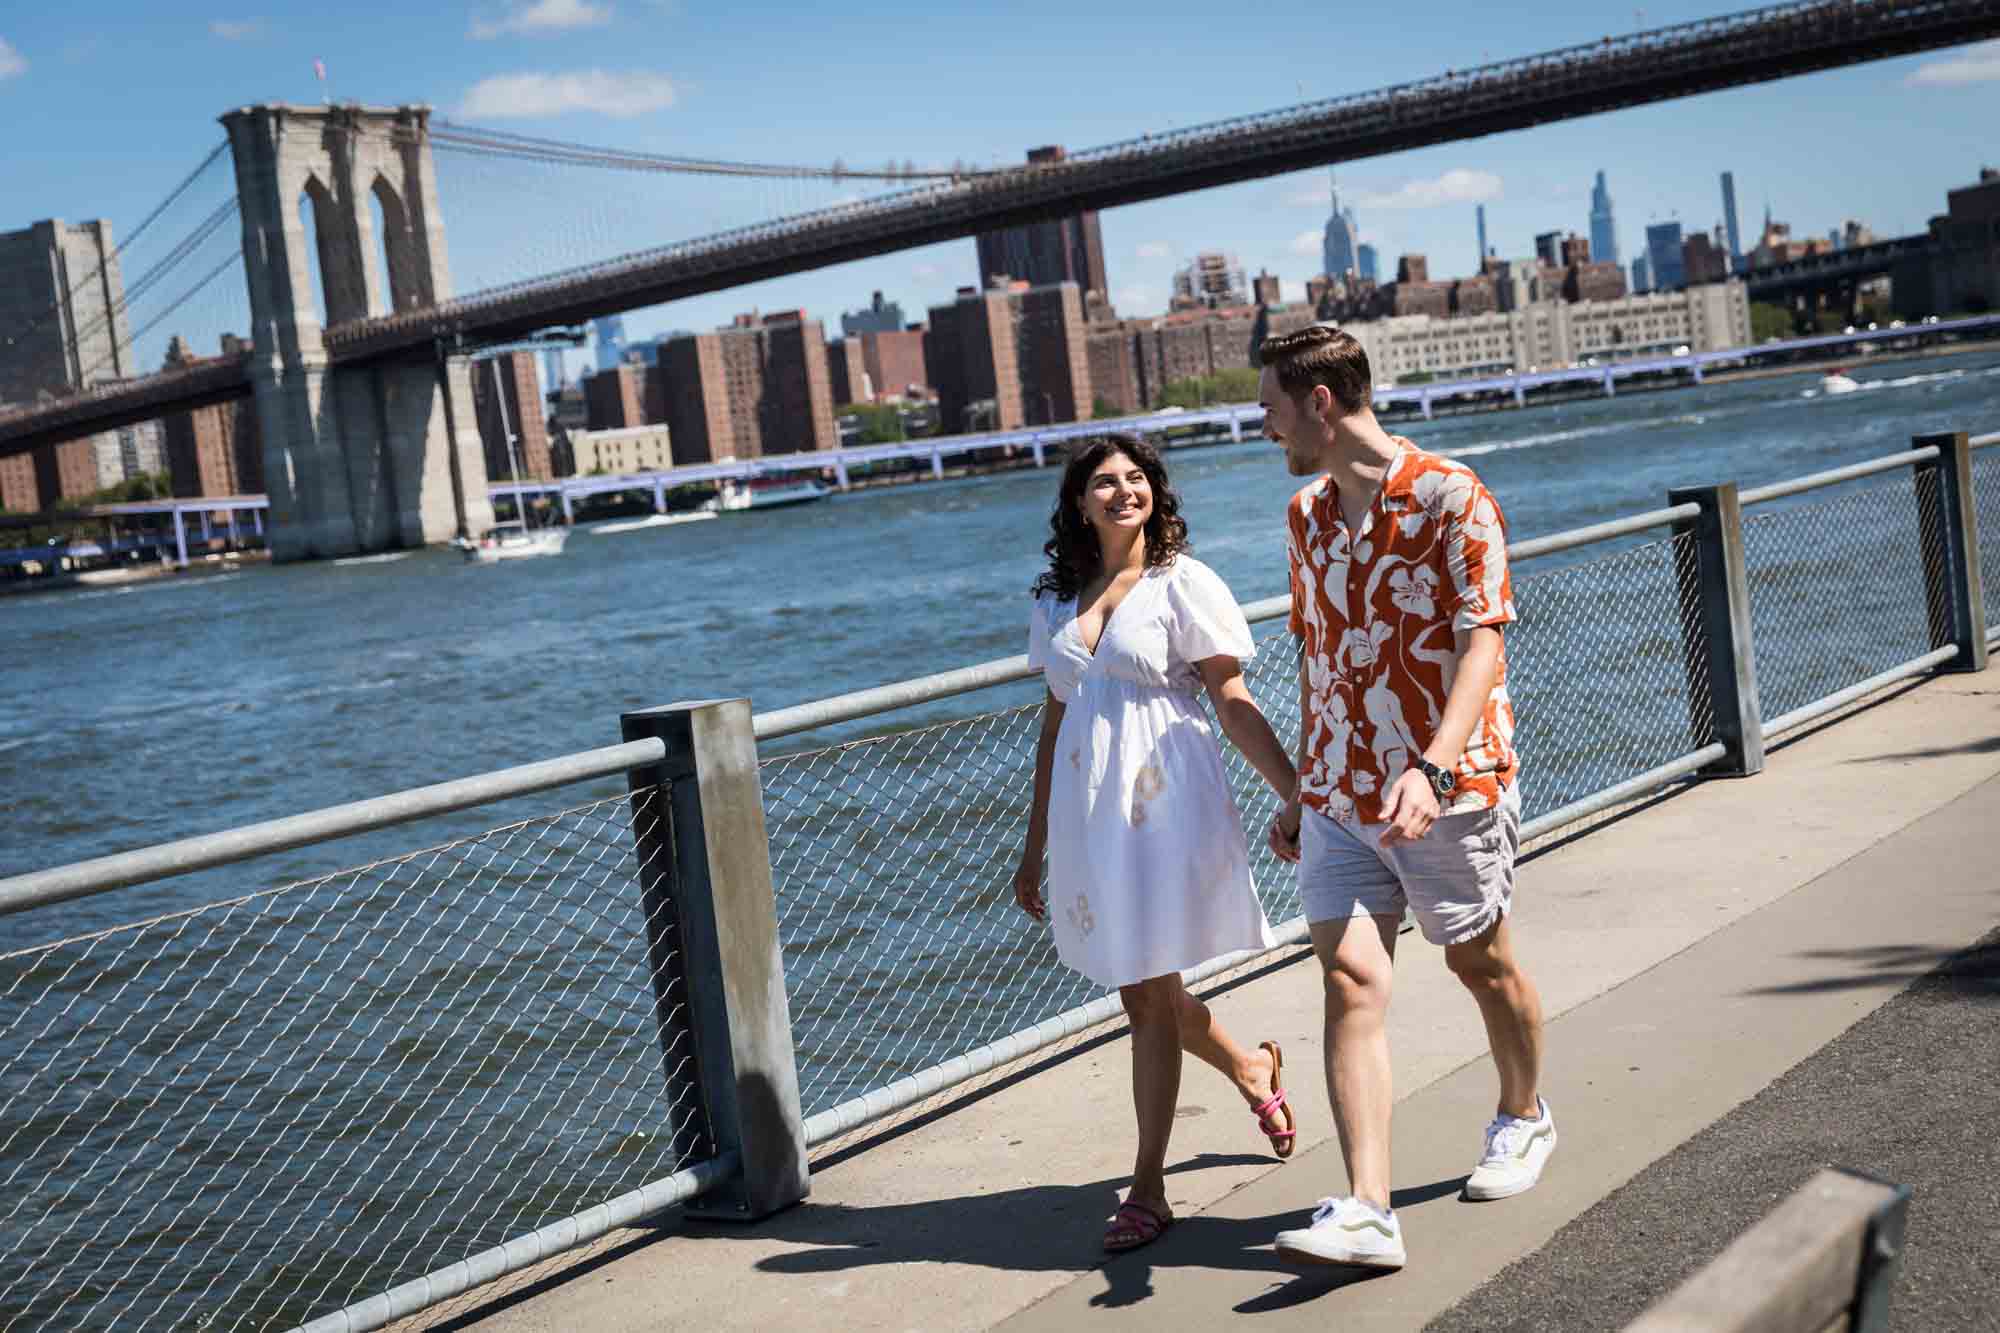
{"x": 1009, "y": 356}
{"x": 217, "y": 450}
{"x": 507, "y": 392}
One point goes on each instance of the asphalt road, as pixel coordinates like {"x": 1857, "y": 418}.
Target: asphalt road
{"x": 1910, "y": 1094}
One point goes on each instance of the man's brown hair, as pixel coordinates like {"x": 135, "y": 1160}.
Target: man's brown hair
{"x": 1321, "y": 354}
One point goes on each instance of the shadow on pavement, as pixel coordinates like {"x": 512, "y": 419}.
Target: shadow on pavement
{"x": 1058, "y": 1229}
{"x": 1876, "y": 964}
{"x": 1984, "y": 745}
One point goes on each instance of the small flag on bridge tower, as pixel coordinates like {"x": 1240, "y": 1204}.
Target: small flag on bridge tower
{"x": 319, "y": 70}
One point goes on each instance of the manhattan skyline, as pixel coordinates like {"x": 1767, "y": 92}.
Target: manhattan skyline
{"x": 659, "y": 78}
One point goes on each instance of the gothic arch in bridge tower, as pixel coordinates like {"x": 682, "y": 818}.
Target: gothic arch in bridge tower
{"x": 357, "y": 456}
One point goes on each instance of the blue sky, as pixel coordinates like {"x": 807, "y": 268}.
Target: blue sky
{"x": 139, "y": 87}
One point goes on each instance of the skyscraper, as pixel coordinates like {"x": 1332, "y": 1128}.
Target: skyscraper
{"x": 1367, "y": 264}
{"x": 1481, "y": 212}
{"x": 1603, "y": 225}
{"x": 1338, "y": 251}
{"x": 1642, "y": 281}
{"x": 1663, "y": 256}
{"x": 1065, "y": 249}
{"x": 1548, "y": 248}
{"x": 1729, "y": 219}
{"x": 610, "y": 332}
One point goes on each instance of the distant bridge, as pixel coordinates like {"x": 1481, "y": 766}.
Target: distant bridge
{"x": 1833, "y": 269}
{"x": 1757, "y": 46}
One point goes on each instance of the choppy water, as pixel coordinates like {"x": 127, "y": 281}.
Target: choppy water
{"x": 154, "y": 711}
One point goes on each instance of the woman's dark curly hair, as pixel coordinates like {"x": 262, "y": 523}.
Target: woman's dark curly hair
{"x": 1074, "y": 555}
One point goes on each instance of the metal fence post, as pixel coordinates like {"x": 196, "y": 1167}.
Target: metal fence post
{"x": 705, "y": 872}
{"x": 1715, "y": 625}
{"x": 1949, "y": 530}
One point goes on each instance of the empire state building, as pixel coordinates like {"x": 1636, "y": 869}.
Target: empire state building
{"x": 1341, "y": 229}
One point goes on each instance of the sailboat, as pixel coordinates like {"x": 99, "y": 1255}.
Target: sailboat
{"x": 516, "y": 539}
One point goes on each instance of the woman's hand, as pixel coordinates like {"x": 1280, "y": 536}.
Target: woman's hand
{"x": 1028, "y": 888}
{"x": 1284, "y": 835}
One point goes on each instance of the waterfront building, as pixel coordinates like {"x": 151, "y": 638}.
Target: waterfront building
{"x": 1547, "y": 334}
{"x": 1603, "y": 224}
{"x": 1211, "y": 279}
{"x": 1065, "y": 249}
{"x": 1729, "y": 221}
{"x": 1663, "y": 256}
{"x": 62, "y": 296}
{"x": 761, "y": 386}
{"x": 880, "y": 316}
{"x": 610, "y": 331}
{"x": 216, "y": 450}
{"x": 1702, "y": 260}
{"x": 1961, "y": 271}
{"x": 626, "y": 394}
{"x": 647, "y": 448}
{"x": 1011, "y": 355}
{"x": 507, "y": 399}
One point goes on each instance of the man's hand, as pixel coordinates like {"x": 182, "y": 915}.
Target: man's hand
{"x": 1028, "y": 889}
{"x": 1411, "y": 809}
{"x": 1283, "y": 838}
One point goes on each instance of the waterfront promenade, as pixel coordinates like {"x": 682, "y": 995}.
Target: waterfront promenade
{"x": 1690, "y": 952}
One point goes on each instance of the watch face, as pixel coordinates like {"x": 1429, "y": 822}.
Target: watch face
{"x": 1444, "y": 780}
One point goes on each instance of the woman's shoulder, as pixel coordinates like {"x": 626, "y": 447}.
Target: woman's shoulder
{"x": 1193, "y": 574}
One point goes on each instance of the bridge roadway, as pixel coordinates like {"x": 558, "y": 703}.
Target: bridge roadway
{"x": 1689, "y": 954}
{"x": 1659, "y": 65}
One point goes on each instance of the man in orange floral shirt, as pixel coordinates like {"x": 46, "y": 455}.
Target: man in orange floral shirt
{"x": 1408, "y": 782}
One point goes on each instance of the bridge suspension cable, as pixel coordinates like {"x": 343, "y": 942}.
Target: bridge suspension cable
{"x": 173, "y": 197}
{"x": 502, "y": 143}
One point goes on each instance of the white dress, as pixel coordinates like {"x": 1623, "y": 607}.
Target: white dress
{"x": 1148, "y": 873}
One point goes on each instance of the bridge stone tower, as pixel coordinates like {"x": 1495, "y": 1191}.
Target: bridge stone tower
{"x": 355, "y": 458}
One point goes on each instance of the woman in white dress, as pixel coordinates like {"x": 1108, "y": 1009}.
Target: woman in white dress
{"x": 1148, "y": 873}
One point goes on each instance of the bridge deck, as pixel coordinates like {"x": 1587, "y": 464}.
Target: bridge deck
{"x": 1676, "y": 987}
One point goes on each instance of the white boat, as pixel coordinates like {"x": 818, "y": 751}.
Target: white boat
{"x": 653, "y": 521}
{"x": 736, "y": 497}
{"x": 513, "y": 541}
{"x": 1836, "y": 381}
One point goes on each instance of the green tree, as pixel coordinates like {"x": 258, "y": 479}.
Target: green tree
{"x": 881, "y": 423}
{"x": 1103, "y": 409}
{"x": 1769, "y": 321}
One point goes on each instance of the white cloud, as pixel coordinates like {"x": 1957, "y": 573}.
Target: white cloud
{"x": 1308, "y": 242}
{"x": 12, "y": 62}
{"x": 1155, "y": 250}
{"x": 236, "y": 30}
{"x": 542, "y": 16}
{"x": 1457, "y": 186}
{"x": 1313, "y": 198}
{"x": 550, "y": 94}
{"x": 1975, "y": 64}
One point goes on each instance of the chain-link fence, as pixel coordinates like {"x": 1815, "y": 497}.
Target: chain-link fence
{"x": 261, "y": 1110}
{"x": 1839, "y": 590}
{"x": 1986, "y": 502}
{"x": 893, "y": 857}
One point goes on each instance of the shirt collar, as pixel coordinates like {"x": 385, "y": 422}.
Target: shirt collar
{"x": 1398, "y": 480}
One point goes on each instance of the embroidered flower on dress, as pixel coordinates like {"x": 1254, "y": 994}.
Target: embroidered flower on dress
{"x": 1079, "y": 914}
{"x": 1149, "y": 783}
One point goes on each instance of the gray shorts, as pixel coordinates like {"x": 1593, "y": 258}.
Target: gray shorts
{"x": 1458, "y": 879}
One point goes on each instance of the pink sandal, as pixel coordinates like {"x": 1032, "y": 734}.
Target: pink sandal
{"x": 1267, "y": 1112}
{"x": 1133, "y": 1225}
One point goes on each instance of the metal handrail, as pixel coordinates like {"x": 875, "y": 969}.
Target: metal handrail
{"x": 1834, "y": 476}
{"x": 80, "y": 879}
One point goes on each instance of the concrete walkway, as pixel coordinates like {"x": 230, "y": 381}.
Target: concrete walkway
{"x": 1689, "y": 954}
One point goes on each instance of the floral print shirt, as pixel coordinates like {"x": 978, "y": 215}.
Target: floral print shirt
{"x": 1377, "y": 611}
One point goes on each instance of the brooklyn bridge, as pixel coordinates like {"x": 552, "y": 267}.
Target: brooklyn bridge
{"x": 362, "y": 395}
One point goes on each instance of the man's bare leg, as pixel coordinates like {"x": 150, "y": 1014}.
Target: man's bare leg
{"x": 1357, "y": 957}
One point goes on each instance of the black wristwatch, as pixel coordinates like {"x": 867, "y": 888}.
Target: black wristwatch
{"x": 1443, "y": 781}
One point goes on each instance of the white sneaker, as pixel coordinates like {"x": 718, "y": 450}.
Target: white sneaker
{"x": 1516, "y": 1151}
{"x": 1346, "y": 1231}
